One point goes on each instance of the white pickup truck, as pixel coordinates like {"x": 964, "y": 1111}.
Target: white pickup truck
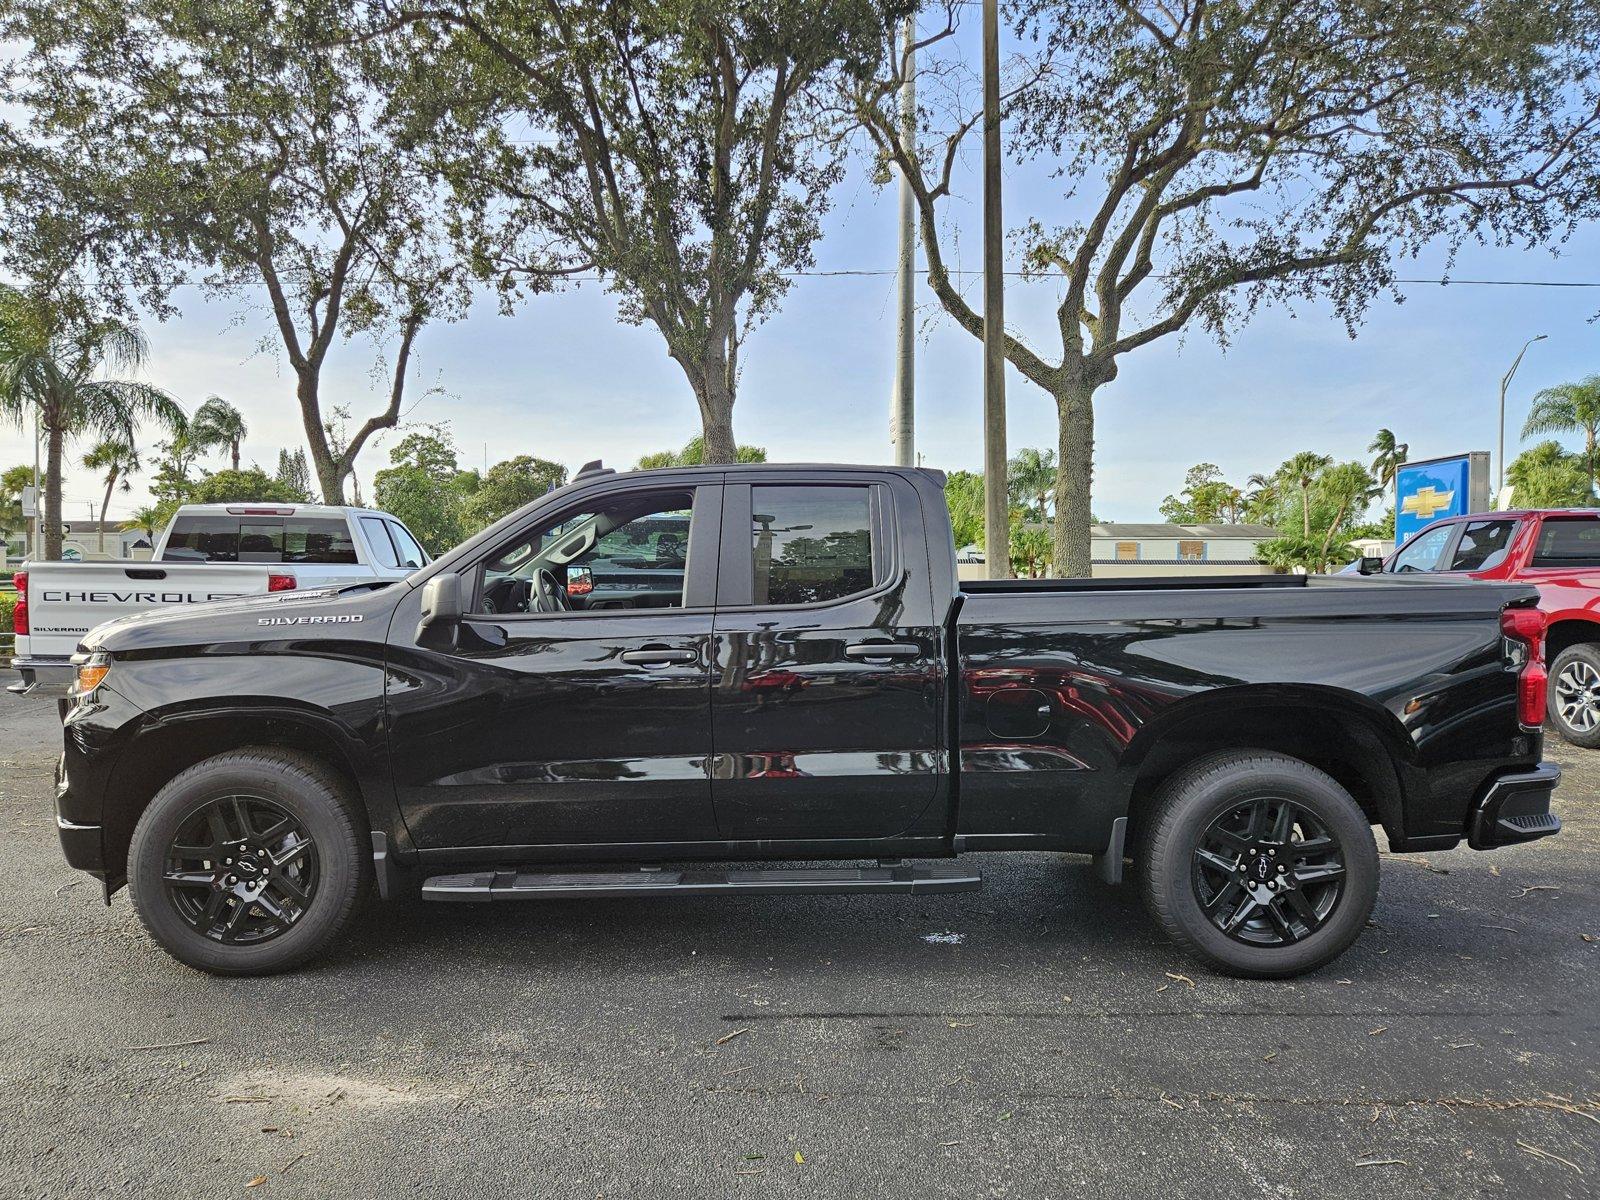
{"x": 208, "y": 552}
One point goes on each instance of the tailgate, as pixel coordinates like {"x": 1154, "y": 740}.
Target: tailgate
{"x": 67, "y": 600}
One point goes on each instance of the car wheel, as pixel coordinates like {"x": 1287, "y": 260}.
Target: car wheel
{"x": 1260, "y": 864}
{"x": 250, "y": 862}
{"x": 1575, "y": 695}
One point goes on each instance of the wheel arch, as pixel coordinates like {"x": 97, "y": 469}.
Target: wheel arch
{"x": 1356, "y": 741}
{"x": 1567, "y": 631}
{"x": 169, "y": 743}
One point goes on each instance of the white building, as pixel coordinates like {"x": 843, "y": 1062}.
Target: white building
{"x": 1131, "y": 550}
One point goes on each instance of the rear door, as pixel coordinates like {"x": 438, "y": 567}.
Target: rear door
{"x": 827, "y": 677}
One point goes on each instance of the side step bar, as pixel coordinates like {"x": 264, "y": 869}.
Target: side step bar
{"x": 523, "y": 885}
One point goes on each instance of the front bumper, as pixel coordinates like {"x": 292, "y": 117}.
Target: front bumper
{"x": 42, "y": 676}
{"x": 81, "y": 844}
{"x": 1515, "y": 808}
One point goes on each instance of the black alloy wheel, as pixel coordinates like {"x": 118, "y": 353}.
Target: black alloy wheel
{"x": 1267, "y": 872}
{"x": 241, "y": 870}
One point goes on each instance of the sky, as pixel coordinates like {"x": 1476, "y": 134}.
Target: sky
{"x": 563, "y": 379}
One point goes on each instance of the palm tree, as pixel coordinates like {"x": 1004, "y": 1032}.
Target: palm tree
{"x": 218, "y": 423}
{"x": 117, "y": 460}
{"x": 1388, "y": 457}
{"x": 147, "y": 520}
{"x": 54, "y": 356}
{"x": 1302, "y": 471}
{"x": 1261, "y": 494}
{"x": 1031, "y": 479}
{"x": 1569, "y": 408}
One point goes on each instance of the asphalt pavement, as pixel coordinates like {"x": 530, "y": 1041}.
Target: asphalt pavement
{"x": 1036, "y": 1039}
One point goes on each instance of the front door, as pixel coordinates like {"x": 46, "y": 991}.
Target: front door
{"x": 826, "y": 704}
{"x": 572, "y": 704}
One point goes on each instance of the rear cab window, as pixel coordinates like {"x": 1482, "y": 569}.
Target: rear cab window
{"x": 223, "y": 537}
{"x": 1423, "y": 552}
{"x": 1483, "y": 545}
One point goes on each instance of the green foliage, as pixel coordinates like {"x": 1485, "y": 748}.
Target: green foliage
{"x": 1318, "y": 504}
{"x": 227, "y": 487}
{"x": 1030, "y": 547}
{"x": 8, "y": 605}
{"x": 426, "y": 489}
{"x": 508, "y": 486}
{"x": 1206, "y": 498}
{"x": 294, "y": 474}
{"x": 251, "y": 149}
{"x": 694, "y": 454}
{"x": 217, "y": 424}
{"x": 66, "y": 361}
{"x": 12, "y": 481}
{"x": 1569, "y": 408}
{"x": 1547, "y": 476}
{"x": 148, "y": 519}
{"x": 1031, "y": 481}
{"x": 963, "y": 493}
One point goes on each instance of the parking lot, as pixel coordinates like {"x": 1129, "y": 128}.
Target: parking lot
{"x": 1035, "y": 1039}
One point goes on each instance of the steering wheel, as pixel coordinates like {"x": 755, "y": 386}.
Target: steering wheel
{"x": 508, "y": 595}
{"x": 548, "y": 594}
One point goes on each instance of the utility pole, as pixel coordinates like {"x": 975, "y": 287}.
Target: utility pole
{"x": 996, "y": 518}
{"x": 1505, "y": 382}
{"x": 38, "y": 494}
{"x": 903, "y": 412}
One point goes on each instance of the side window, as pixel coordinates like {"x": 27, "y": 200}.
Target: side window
{"x": 630, "y": 553}
{"x": 810, "y": 544}
{"x": 410, "y": 553}
{"x": 1568, "y": 543}
{"x": 383, "y": 551}
{"x": 1423, "y": 553}
{"x": 1482, "y": 545}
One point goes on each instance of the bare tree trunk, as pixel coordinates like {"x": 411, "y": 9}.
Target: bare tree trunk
{"x": 716, "y": 419}
{"x": 54, "y": 445}
{"x": 330, "y": 478}
{"x": 1074, "y": 476}
{"x": 234, "y": 446}
{"x": 105, "y": 503}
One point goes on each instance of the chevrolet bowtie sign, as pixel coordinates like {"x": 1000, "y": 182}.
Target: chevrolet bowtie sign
{"x": 1436, "y": 488}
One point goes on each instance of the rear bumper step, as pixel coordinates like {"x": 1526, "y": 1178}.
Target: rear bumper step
{"x": 1515, "y": 808}
{"x": 524, "y": 885}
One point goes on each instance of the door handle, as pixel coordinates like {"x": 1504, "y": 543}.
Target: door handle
{"x": 660, "y": 656}
{"x": 870, "y": 650}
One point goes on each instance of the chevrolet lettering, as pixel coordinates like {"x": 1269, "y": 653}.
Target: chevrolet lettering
{"x": 708, "y": 680}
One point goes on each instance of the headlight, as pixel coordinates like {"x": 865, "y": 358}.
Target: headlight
{"x": 92, "y": 670}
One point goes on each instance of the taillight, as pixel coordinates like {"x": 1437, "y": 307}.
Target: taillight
{"x": 280, "y": 583}
{"x": 1526, "y": 627}
{"x": 19, "y": 614}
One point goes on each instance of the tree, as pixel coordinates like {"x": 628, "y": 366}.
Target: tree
{"x": 244, "y": 147}
{"x": 686, "y": 160}
{"x": 694, "y": 454}
{"x": 1301, "y": 471}
{"x": 508, "y": 486}
{"x": 146, "y": 520}
{"x": 1547, "y": 476}
{"x": 1206, "y": 497}
{"x": 118, "y": 460}
{"x": 1030, "y": 547}
{"x": 54, "y": 352}
{"x": 1031, "y": 480}
{"x": 963, "y": 495}
{"x": 1216, "y": 158}
{"x": 426, "y": 488}
{"x": 216, "y": 423}
{"x": 1388, "y": 457}
{"x": 12, "y": 481}
{"x": 232, "y": 487}
{"x": 173, "y": 481}
{"x": 294, "y": 474}
{"x": 1570, "y": 408}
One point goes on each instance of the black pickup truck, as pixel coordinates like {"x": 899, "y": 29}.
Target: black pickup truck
{"x": 821, "y": 687}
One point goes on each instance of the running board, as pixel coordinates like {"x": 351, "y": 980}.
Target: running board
{"x": 523, "y": 885}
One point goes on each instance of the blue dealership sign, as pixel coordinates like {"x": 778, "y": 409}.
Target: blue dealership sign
{"x": 1436, "y": 488}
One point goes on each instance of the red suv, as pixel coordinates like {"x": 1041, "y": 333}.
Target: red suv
{"x": 1556, "y": 550}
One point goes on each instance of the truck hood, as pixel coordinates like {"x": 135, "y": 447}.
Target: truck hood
{"x": 321, "y": 613}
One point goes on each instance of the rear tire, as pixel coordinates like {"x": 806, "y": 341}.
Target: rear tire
{"x": 249, "y": 863}
{"x": 1574, "y": 699}
{"x": 1259, "y": 864}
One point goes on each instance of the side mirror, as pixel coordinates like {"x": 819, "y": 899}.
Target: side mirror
{"x": 1370, "y": 564}
{"x": 441, "y": 602}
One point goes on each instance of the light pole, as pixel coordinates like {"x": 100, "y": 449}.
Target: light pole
{"x": 903, "y": 412}
{"x": 1505, "y": 382}
{"x": 996, "y": 517}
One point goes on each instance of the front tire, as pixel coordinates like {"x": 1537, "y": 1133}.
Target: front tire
{"x": 1259, "y": 864}
{"x": 1575, "y": 695}
{"x": 249, "y": 863}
